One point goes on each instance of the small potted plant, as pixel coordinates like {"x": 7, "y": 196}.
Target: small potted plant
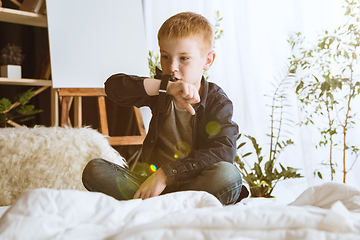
{"x": 264, "y": 175}
{"x": 19, "y": 111}
{"x": 11, "y": 58}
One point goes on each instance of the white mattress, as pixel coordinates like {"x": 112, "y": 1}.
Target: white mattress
{"x": 329, "y": 211}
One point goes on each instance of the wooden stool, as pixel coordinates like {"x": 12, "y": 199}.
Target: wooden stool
{"x": 67, "y": 94}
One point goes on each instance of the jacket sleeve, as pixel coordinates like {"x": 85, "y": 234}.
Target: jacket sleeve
{"x": 215, "y": 142}
{"x": 127, "y": 90}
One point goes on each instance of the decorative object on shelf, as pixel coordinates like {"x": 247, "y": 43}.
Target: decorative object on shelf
{"x": 11, "y": 58}
{"x": 263, "y": 176}
{"x": 11, "y": 71}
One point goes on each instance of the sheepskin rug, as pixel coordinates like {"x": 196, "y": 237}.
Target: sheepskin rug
{"x": 48, "y": 157}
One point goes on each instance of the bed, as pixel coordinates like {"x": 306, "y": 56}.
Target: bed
{"x": 327, "y": 211}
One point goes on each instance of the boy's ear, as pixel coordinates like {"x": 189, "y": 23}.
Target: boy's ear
{"x": 209, "y": 60}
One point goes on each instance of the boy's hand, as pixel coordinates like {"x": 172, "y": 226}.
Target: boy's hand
{"x": 185, "y": 94}
{"x": 152, "y": 186}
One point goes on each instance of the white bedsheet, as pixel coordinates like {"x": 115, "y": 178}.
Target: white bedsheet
{"x": 329, "y": 211}
{"x": 3, "y": 210}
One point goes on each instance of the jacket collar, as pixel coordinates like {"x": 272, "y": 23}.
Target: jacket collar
{"x": 204, "y": 93}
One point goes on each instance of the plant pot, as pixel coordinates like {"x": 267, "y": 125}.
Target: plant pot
{"x": 259, "y": 191}
{"x": 11, "y": 71}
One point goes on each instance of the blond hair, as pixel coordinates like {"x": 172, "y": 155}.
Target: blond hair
{"x": 188, "y": 24}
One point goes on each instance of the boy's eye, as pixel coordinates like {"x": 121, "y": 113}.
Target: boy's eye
{"x": 164, "y": 57}
{"x": 184, "y": 58}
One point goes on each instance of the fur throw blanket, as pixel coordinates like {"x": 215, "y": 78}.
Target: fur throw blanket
{"x": 48, "y": 157}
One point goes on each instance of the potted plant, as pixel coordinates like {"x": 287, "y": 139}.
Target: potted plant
{"x": 263, "y": 176}
{"x": 328, "y": 86}
{"x": 18, "y": 111}
{"x": 11, "y": 58}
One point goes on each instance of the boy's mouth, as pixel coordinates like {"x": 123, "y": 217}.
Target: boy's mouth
{"x": 176, "y": 79}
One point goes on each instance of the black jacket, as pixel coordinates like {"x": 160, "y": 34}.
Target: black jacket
{"x": 214, "y": 132}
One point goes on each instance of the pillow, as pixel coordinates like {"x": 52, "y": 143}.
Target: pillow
{"x": 48, "y": 157}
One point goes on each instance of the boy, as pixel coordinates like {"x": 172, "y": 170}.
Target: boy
{"x": 191, "y": 138}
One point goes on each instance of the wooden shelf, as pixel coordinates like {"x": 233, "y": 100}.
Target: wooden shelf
{"x": 25, "y": 82}
{"x": 22, "y": 17}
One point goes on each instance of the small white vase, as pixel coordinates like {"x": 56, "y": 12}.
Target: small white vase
{"x": 11, "y": 71}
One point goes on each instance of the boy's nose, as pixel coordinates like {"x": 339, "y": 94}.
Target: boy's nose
{"x": 174, "y": 66}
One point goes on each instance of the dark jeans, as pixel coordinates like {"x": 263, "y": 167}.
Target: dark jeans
{"x": 222, "y": 180}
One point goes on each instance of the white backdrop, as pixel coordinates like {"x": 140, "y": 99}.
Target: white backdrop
{"x": 251, "y": 53}
{"x": 91, "y": 40}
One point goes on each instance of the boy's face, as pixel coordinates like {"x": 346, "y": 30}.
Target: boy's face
{"x": 183, "y": 59}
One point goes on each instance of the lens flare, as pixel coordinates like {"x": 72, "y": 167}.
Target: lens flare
{"x": 181, "y": 150}
{"x": 126, "y": 184}
{"x": 213, "y": 128}
{"x": 126, "y": 187}
{"x": 153, "y": 168}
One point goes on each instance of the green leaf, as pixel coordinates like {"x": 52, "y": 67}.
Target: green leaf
{"x": 317, "y": 80}
{"x": 25, "y": 97}
{"x": 241, "y": 144}
{"x": 241, "y": 163}
{"x": 282, "y": 167}
{"x": 239, "y": 136}
{"x": 300, "y": 86}
{"x": 268, "y": 167}
{"x": 257, "y": 170}
{"x": 26, "y": 119}
{"x": 348, "y": 11}
{"x": 319, "y": 175}
{"x": 249, "y": 180}
{"x": 255, "y": 145}
{"x": 292, "y": 69}
{"x": 5, "y": 105}
{"x": 246, "y": 154}
{"x": 322, "y": 45}
{"x": 325, "y": 86}
{"x": 27, "y": 110}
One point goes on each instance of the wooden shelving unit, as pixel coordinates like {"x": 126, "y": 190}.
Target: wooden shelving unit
{"x": 22, "y": 17}
{"x": 37, "y": 20}
{"x": 25, "y": 18}
{"x": 25, "y": 82}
